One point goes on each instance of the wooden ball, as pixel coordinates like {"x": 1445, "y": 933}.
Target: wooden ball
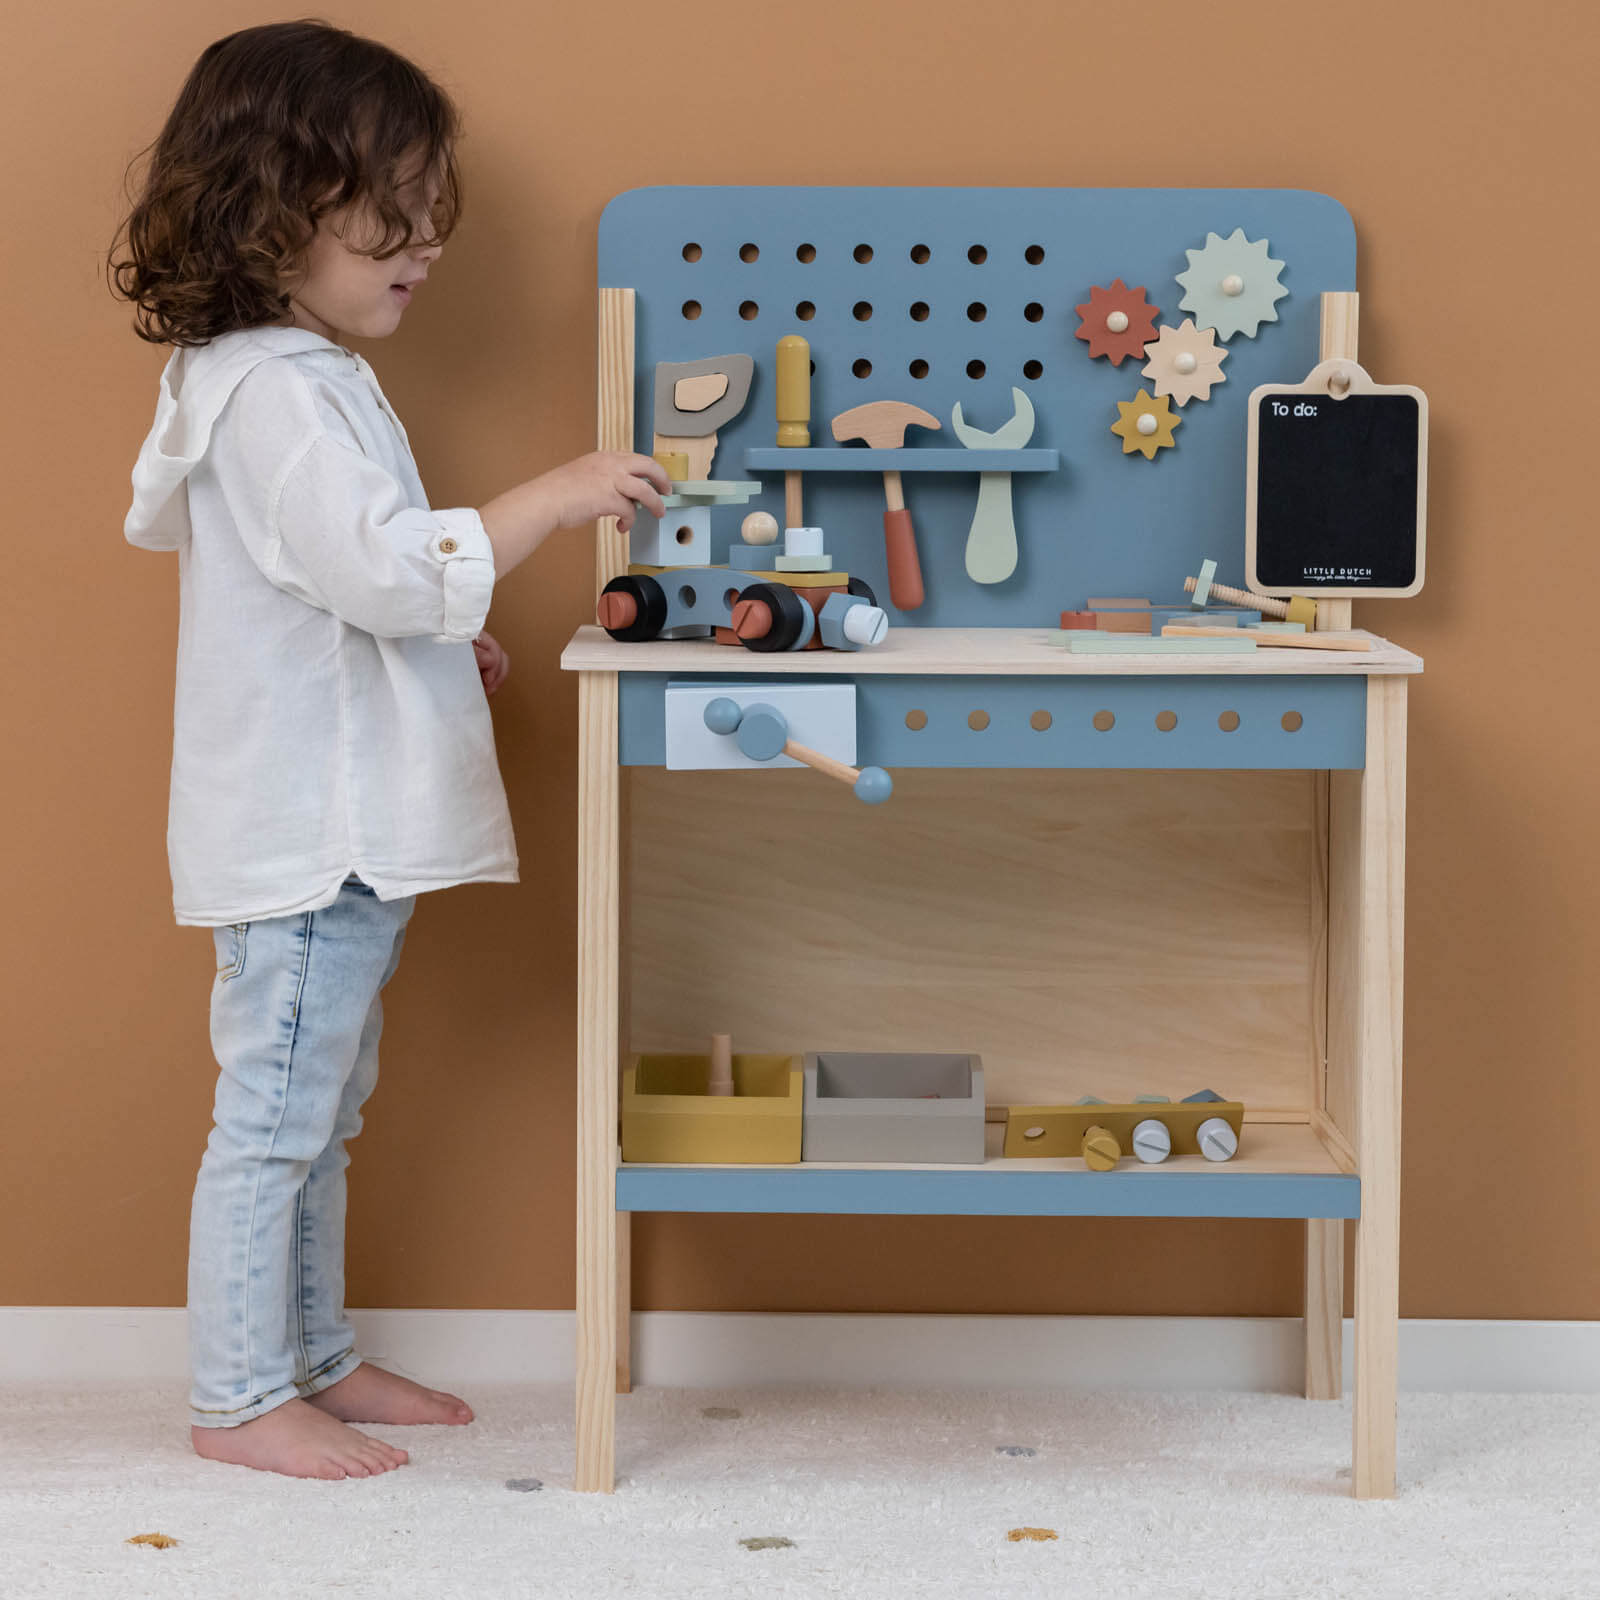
{"x": 760, "y": 527}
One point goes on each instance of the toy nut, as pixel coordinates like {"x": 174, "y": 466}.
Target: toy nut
{"x": 874, "y": 786}
{"x": 722, "y": 715}
{"x": 760, "y": 527}
{"x": 849, "y": 622}
{"x": 1151, "y": 1141}
{"x": 1302, "y": 608}
{"x": 1218, "y": 1141}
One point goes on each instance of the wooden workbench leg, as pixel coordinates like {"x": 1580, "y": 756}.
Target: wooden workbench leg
{"x": 598, "y": 977}
{"x": 1380, "y": 965}
{"x": 1324, "y": 1308}
{"x": 624, "y": 1302}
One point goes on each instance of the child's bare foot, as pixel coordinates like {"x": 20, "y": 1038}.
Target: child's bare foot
{"x": 300, "y": 1441}
{"x": 370, "y": 1394}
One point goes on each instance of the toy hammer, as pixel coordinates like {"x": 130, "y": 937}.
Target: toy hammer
{"x": 762, "y": 732}
{"x": 883, "y": 424}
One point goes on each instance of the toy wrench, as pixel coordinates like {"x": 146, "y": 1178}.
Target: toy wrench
{"x": 992, "y": 539}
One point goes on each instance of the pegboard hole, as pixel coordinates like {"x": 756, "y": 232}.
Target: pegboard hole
{"x": 1034, "y": 254}
{"x": 916, "y": 721}
{"x": 1292, "y": 722}
{"x": 749, "y": 252}
{"x": 805, "y": 311}
{"x": 1103, "y": 721}
{"x": 978, "y": 720}
{"x": 920, "y": 254}
{"x": 749, "y": 310}
{"x": 1040, "y": 721}
{"x": 977, "y": 255}
{"x": 1033, "y": 311}
{"x": 1228, "y": 721}
{"x": 977, "y": 311}
{"x": 691, "y": 310}
{"x": 976, "y": 369}
{"x": 1166, "y": 721}
{"x": 806, "y": 253}
{"x": 863, "y": 253}
{"x": 687, "y": 597}
{"x": 1033, "y": 369}
{"x": 918, "y": 368}
{"x": 861, "y": 367}
{"x": 862, "y": 311}
{"x": 684, "y": 535}
{"x": 691, "y": 252}
{"x": 919, "y": 310}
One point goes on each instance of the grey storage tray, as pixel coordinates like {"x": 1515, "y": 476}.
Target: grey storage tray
{"x": 869, "y": 1107}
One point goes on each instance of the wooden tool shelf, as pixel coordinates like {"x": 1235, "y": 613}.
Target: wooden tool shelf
{"x": 822, "y": 458}
{"x": 1282, "y": 1170}
{"x": 1211, "y": 899}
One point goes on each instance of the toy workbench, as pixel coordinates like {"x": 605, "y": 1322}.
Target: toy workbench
{"x": 1113, "y": 857}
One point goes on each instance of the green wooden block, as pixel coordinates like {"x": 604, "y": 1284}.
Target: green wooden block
{"x": 1281, "y": 627}
{"x": 1084, "y": 643}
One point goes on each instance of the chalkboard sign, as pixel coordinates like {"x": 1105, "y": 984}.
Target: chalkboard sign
{"x": 1336, "y": 493}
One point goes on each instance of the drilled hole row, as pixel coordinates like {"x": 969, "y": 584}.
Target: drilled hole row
{"x": 918, "y": 310}
{"x": 977, "y": 254}
{"x": 1105, "y": 721}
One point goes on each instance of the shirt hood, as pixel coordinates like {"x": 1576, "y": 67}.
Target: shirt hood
{"x": 196, "y": 385}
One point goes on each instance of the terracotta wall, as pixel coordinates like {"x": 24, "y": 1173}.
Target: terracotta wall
{"x": 1459, "y": 136}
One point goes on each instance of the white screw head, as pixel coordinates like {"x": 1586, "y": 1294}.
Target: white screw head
{"x": 865, "y": 625}
{"x": 1147, "y": 423}
{"x": 1117, "y": 321}
{"x": 1186, "y": 362}
{"x": 760, "y": 527}
{"x": 1233, "y": 284}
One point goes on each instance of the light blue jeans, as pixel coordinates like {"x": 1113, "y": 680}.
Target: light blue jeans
{"x": 295, "y": 1021}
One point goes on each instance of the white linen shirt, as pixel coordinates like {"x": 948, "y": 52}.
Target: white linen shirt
{"x": 328, "y": 716}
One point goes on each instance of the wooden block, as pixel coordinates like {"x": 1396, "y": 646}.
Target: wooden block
{"x": 1060, "y": 1130}
{"x": 1122, "y": 621}
{"x": 1112, "y": 644}
{"x": 1278, "y": 641}
{"x": 1114, "y": 604}
{"x": 1078, "y": 619}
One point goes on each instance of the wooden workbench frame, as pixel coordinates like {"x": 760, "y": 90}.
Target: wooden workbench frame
{"x": 1355, "y": 1102}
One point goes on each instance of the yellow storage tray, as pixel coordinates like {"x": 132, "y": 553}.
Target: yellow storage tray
{"x": 667, "y": 1116}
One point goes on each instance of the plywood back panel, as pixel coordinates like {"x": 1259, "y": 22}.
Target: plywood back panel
{"x": 1085, "y": 932}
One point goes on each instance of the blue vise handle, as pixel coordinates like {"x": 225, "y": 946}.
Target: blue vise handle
{"x": 762, "y": 732}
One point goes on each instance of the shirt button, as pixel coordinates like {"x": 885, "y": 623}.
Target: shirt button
{"x": 447, "y": 547}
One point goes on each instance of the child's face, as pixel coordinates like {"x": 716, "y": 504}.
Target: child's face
{"x": 344, "y": 292}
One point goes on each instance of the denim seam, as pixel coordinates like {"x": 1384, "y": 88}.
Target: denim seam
{"x": 255, "y": 1197}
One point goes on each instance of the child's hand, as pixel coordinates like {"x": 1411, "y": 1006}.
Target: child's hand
{"x": 606, "y": 483}
{"x": 493, "y": 662}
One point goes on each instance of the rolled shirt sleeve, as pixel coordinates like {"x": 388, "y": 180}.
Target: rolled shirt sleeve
{"x": 344, "y": 537}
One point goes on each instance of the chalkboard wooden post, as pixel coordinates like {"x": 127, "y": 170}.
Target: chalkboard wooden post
{"x": 1336, "y": 485}
{"x": 1341, "y": 323}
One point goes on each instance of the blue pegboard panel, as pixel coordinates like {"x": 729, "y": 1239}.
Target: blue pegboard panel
{"x": 1196, "y": 722}
{"x": 939, "y": 295}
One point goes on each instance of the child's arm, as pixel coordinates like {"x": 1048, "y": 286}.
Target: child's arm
{"x": 604, "y": 484}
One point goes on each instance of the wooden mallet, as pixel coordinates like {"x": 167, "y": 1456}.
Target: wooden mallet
{"x": 883, "y": 424}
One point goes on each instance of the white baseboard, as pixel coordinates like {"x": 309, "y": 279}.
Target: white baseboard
{"x": 727, "y": 1350}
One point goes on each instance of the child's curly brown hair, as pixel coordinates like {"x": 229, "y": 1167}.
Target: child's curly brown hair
{"x": 276, "y": 127}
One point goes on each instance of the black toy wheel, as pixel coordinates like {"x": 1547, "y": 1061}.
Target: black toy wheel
{"x": 862, "y": 589}
{"x": 649, "y": 605}
{"x": 788, "y": 616}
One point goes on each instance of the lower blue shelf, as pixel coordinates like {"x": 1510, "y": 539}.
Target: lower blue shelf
{"x": 986, "y": 1192}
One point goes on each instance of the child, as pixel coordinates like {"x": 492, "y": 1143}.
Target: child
{"x": 333, "y": 755}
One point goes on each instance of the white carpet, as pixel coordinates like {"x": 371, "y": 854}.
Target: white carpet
{"x": 882, "y": 1494}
